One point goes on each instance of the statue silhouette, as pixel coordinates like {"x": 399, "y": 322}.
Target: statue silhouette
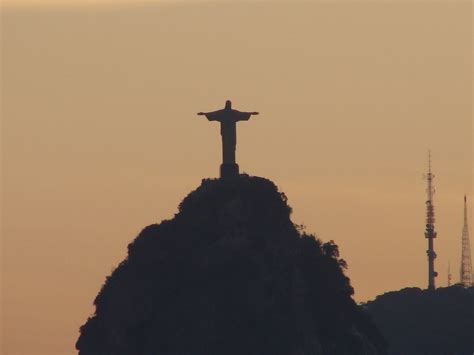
{"x": 228, "y": 118}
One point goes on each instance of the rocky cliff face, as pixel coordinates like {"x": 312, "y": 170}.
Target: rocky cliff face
{"x": 229, "y": 274}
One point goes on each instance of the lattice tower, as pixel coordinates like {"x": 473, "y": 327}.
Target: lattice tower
{"x": 466, "y": 263}
{"x": 430, "y": 232}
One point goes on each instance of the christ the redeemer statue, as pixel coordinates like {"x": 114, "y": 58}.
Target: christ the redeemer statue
{"x": 228, "y": 119}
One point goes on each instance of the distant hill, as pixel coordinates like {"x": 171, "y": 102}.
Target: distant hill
{"x": 422, "y": 322}
{"x": 230, "y": 274}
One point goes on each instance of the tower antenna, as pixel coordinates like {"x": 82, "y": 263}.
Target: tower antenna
{"x": 466, "y": 264}
{"x": 430, "y": 232}
{"x": 449, "y": 274}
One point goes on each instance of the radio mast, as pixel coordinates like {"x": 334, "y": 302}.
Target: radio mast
{"x": 449, "y": 274}
{"x": 466, "y": 264}
{"x": 430, "y": 232}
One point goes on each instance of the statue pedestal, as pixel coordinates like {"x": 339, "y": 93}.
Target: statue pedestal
{"x": 229, "y": 171}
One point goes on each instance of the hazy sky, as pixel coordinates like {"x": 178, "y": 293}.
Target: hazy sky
{"x": 100, "y": 136}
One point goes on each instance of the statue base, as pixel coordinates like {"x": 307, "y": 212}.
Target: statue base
{"x": 229, "y": 171}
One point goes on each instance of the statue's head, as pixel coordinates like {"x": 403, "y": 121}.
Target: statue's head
{"x": 228, "y": 105}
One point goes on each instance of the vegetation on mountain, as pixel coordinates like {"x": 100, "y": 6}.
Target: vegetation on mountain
{"x": 419, "y": 322}
{"x": 230, "y": 274}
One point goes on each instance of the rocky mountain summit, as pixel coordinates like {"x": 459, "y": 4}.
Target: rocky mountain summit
{"x": 229, "y": 274}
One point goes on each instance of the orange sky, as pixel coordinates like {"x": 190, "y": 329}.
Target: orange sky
{"x": 100, "y": 136}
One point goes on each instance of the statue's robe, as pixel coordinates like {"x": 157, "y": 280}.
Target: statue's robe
{"x": 228, "y": 119}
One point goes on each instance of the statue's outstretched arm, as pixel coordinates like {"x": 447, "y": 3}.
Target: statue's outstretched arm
{"x": 211, "y": 116}
{"x": 244, "y": 116}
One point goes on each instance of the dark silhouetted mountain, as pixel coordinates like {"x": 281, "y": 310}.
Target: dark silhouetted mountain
{"x": 230, "y": 274}
{"x": 422, "y": 322}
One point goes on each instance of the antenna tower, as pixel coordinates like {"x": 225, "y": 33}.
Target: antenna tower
{"x": 449, "y": 274}
{"x": 430, "y": 232}
{"x": 466, "y": 264}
